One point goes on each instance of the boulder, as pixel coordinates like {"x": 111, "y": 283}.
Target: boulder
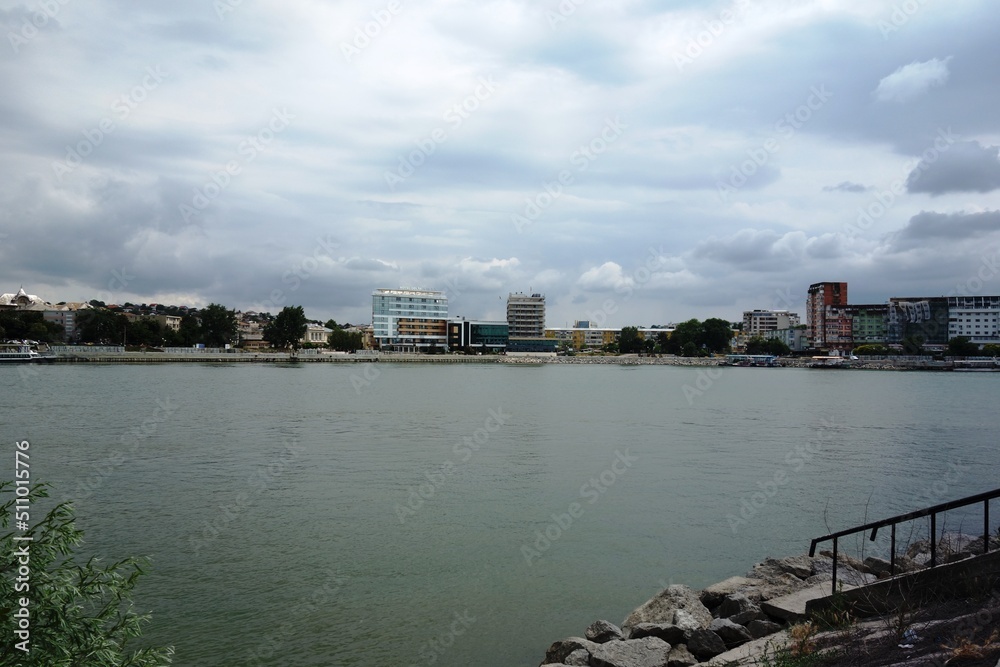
{"x": 731, "y": 633}
{"x": 733, "y": 604}
{"x": 560, "y": 650}
{"x": 713, "y": 596}
{"x": 686, "y": 621}
{"x": 705, "y": 644}
{"x": 661, "y": 609}
{"x": 681, "y": 657}
{"x": 603, "y": 631}
{"x": 578, "y": 658}
{"x": 846, "y": 572}
{"x": 749, "y": 615}
{"x": 760, "y": 629}
{"x": 668, "y": 632}
{"x": 645, "y": 652}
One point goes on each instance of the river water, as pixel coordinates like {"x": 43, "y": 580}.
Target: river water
{"x": 398, "y": 514}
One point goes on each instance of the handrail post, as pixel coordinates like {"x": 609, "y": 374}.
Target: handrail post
{"x": 933, "y": 539}
{"x": 834, "y": 591}
{"x": 892, "y": 551}
{"x": 986, "y": 526}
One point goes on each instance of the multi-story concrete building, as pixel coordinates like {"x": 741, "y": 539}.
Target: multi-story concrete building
{"x": 758, "y": 322}
{"x": 409, "y": 320}
{"x": 974, "y": 317}
{"x": 526, "y": 315}
{"x": 923, "y": 319}
{"x": 477, "y": 335}
{"x": 796, "y": 338}
{"x": 820, "y": 297}
{"x": 869, "y": 323}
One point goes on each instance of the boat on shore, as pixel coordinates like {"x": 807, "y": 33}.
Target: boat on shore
{"x": 751, "y": 361}
{"x": 21, "y": 353}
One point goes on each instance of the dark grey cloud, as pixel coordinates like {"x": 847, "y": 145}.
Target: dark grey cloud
{"x": 928, "y": 229}
{"x": 967, "y": 166}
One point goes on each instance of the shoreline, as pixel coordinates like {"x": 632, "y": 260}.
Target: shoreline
{"x": 622, "y": 360}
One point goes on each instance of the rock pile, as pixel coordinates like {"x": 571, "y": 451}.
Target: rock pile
{"x": 681, "y": 627}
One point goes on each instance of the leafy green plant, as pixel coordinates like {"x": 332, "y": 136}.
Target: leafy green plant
{"x": 80, "y": 613}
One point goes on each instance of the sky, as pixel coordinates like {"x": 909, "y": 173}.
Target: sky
{"x": 637, "y": 162}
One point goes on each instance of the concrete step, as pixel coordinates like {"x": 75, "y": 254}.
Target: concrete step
{"x": 792, "y": 607}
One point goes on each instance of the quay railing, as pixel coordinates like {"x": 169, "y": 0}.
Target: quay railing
{"x": 892, "y": 522}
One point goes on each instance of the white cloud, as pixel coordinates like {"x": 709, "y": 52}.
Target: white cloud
{"x": 911, "y": 81}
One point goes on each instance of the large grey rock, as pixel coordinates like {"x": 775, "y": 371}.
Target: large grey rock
{"x": 681, "y": 657}
{"x": 705, "y": 644}
{"x": 760, "y": 629}
{"x": 603, "y": 631}
{"x": 661, "y": 609}
{"x": 668, "y": 632}
{"x": 713, "y": 596}
{"x": 754, "y": 614}
{"x": 736, "y": 603}
{"x": 731, "y": 633}
{"x": 578, "y": 658}
{"x": 686, "y": 621}
{"x": 560, "y": 650}
{"x": 645, "y": 652}
{"x": 846, "y": 573}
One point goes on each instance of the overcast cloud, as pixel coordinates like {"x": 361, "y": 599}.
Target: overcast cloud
{"x": 681, "y": 159}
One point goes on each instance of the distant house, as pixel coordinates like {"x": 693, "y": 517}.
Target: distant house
{"x": 316, "y": 335}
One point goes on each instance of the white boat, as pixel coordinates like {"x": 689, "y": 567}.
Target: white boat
{"x": 829, "y": 362}
{"x": 19, "y": 353}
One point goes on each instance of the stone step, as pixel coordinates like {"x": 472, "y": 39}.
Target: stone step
{"x": 792, "y": 607}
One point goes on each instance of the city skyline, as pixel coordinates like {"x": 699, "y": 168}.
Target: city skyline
{"x": 696, "y": 161}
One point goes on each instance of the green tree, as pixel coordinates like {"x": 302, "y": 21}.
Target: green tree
{"x": 28, "y": 324}
{"x": 218, "y": 325}
{"x": 871, "y": 350}
{"x": 758, "y": 345}
{"x": 344, "y": 341}
{"x": 629, "y": 341}
{"x": 190, "y": 331}
{"x": 287, "y": 329}
{"x": 80, "y": 612}
{"x": 101, "y": 327}
{"x": 684, "y": 333}
{"x": 960, "y": 346}
{"x": 991, "y": 350}
{"x": 716, "y": 334}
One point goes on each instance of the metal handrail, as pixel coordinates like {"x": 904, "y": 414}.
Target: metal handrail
{"x": 932, "y": 512}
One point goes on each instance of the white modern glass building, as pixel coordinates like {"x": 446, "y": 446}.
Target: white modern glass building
{"x": 408, "y": 320}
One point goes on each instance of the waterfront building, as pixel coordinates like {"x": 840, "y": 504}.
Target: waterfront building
{"x": 477, "y": 335}
{"x": 974, "y": 317}
{"x": 19, "y": 300}
{"x": 316, "y": 335}
{"x": 759, "y": 322}
{"x": 923, "y": 319}
{"x": 409, "y": 320}
{"x": 526, "y": 315}
{"x": 820, "y": 297}
{"x": 796, "y": 338}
